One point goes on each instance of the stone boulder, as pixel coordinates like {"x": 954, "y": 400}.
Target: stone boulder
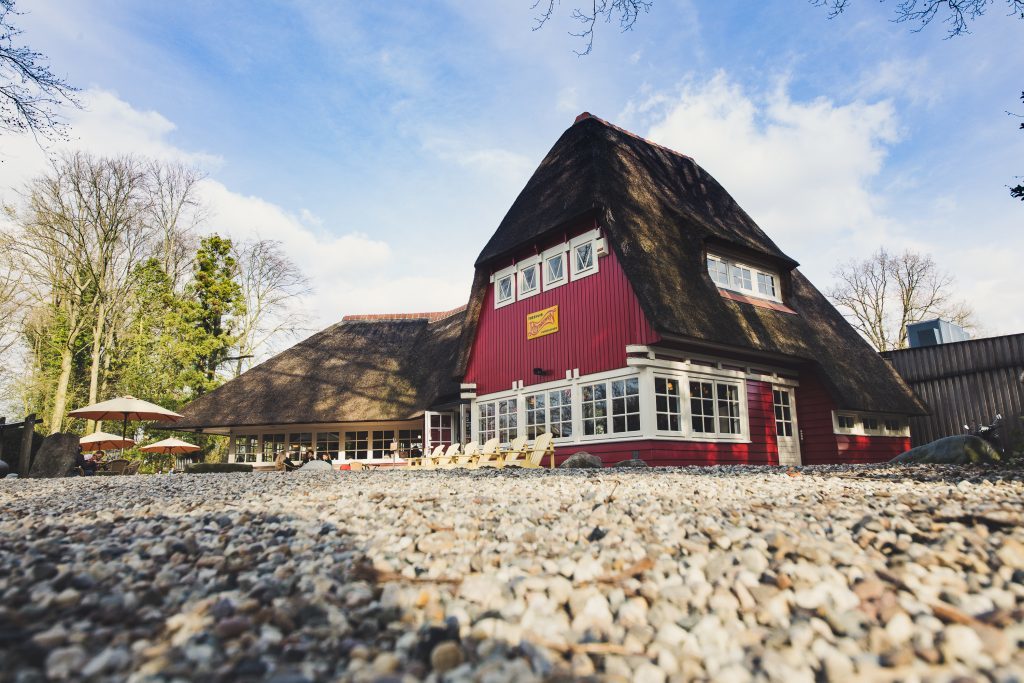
{"x": 316, "y": 466}
{"x": 581, "y": 460}
{"x": 631, "y": 463}
{"x": 56, "y": 456}
{"x": 952, "y": 450}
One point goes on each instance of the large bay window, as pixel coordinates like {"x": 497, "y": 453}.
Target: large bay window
{"x": 536, "y": 415}
{"x": 624, "y": 410}
{"x": 549, "y": 411}
{"x": 730, "y": 274}
{"x": 715, "y": 408}
{"x": 487, "y": 422}
{"x": 595, "y": 409}
{"x": 667, "y": 405}
{"x": 508, "y": 420}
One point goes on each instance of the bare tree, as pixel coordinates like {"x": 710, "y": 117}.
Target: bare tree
{"x": 626, "y": 11}
{"x": 956, "y": 13}
{"x": 173, "y": 213}
{"x": 273, "y": 288}
{"x": 29, "y": 92}
{"x": 80, "y": 236}
{"x": 885, "y": 292}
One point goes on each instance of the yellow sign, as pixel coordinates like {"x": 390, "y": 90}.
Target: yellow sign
{"x": 542, "y": 323}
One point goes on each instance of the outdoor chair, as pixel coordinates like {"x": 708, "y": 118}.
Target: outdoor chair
{"x": 425, "y": 462}
{"x": 515, "y": 450}
{"x": 488, "y": 455}
{"x": 133, "y": 467}
{"x": 117, "y": 466}
{"x": 469, "y": 453}
{"x": 532, "y": 457}
{"x": 450, "y": 453}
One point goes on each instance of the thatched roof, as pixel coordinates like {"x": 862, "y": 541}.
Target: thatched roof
{"x": 660, "y": 211}
{"x": 365, "y": 368}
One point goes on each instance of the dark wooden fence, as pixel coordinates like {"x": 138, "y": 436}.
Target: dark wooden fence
{"x": 964, "y": 383}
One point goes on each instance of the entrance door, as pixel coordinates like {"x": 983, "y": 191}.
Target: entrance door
{"x": 785, "y": 426}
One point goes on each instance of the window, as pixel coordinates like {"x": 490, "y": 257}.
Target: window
{"x": 503, "y": 292}
{"x": 508, "y": 420}
{"x": 560, "y": 413}
{"x": 246, "y": 447}
{"x": 554, "y": 270}
{"x": 381, "y": 442}
{"x": 667, "y": 405}
{"x": 300, "y": 444}
{"x": 356, "y": 444}
{"x": 715, "y": 407}
{"x": 584, "y": 258}
{"x": 871, "y": 424}
{"x": 718, "y": 271}
{"x": 626, "y": 405}
{"x": 327, "y": 442}
{"x": 595, "y": 409}
{"x": 488, "y": 424}
{"x": 783, "y": 412}
{"x": 440, "y": 429}
{"x": 529, "y": 281}
{"x": 272, "y": 445}
{"x": 407, "y": 438}
{"x": 536, "y": 416}
{"x": 894, "y": 427}
{"x": 741, "y": 277}
{"x": 846, "y": 423}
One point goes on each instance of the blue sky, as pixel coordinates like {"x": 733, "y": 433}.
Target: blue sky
{"x": 383, "y": 142}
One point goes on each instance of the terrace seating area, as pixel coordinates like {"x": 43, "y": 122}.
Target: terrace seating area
{"x": 520, "y": 453}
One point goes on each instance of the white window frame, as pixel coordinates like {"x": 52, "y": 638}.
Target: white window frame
{"x": 680, "y": 397}
{"x": 510, "y": 273}
{"x": 591, "y": 238}
{"x": 731, "y": 265}
{"x": 860, "y": 427}
{"x": 486, "y": 420}
{"x": 507, "y": 409}
{"x": 560, "y": 253}
{"x": 531, "y": 264}
{"x": 741, "y": 398}
{"x": 855, "y": 429}
{"x": 779, "y": 412}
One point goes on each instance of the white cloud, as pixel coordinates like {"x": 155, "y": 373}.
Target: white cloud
{"x": 813, "y": 175}
{"x": 501, "y": 163}
{"x": 349, "y": 271}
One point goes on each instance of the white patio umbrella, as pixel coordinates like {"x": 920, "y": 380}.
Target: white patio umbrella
{"x": 125, "y": 408}
{"x": 170, "y": 446}
{"x": 101, "y": 441}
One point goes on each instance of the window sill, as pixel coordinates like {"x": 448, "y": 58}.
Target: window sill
{"x": 755, "y": 301}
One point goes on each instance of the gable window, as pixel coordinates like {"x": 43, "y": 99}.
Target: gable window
{"x": 740, "y": 277}
{"x": 554, "y": 270}
{"x": 584, "y": 254}
{"x": 715, "y": 407}
{"x": 529, "y": 281}
{"x": 667, "y": 407}
{"x": 503, "y": 290}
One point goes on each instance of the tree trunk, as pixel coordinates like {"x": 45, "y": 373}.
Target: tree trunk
{"x": 94, "y": 367}
{"x": 60, "y": 395}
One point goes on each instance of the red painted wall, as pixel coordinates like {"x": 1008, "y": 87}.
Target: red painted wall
{"x": 762, "y": 450}
{"x": 821, "y": 445}
{"x": 598, "y": 316}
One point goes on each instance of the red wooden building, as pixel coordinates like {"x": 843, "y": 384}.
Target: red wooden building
{"x": 627, "y": 305}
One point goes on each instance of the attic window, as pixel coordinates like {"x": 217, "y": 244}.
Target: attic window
{"x": 554, "y": 270}
{"x": 529, "y": 281}
{"x": 504, "y": 289}
{"x": 730, "y": 274}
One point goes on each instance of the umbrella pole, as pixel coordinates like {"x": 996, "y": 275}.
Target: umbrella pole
{"x": 124, "y": 431}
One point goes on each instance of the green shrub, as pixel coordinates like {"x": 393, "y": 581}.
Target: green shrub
{"x": 209, "y": 467}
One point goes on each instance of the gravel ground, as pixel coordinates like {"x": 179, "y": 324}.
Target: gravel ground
{"x": 726, "y": 574}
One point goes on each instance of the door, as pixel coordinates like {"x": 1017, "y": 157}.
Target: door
{"x": 786, "y": 432}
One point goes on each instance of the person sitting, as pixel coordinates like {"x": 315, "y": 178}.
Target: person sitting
{"x": 283, "y": 464}
{"x": 326, "y": 457}
{"x": 85, "y": 465}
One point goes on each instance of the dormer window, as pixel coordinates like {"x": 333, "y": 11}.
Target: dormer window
{"x": 529, "y": 280}
{"x": 746, "y": 279}
{"x": 504, "y": 287}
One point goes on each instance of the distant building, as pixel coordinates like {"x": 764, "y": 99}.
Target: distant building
{"x": 934, "y": 332}
{"x": 964, "y": 383}
{"x": 627, "y": 305}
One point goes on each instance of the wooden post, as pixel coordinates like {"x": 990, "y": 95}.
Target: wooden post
{"x": 28, "y": 428}
{"x": 3, "y": 421}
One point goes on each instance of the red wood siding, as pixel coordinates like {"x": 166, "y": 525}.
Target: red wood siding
{"x": 598, "y": 316}
{"x": 762, "y": 449}
{"x": 821, "y": 445}
{"x": 814, "y": 408}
